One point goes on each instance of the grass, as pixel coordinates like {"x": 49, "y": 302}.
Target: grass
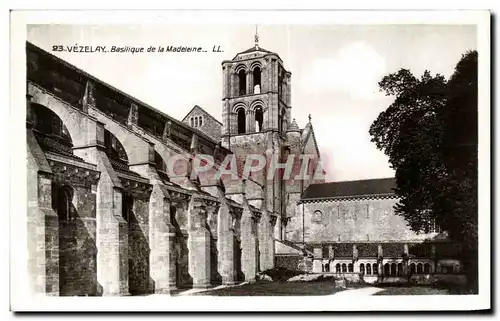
{"x": 412, "y": 290}
{"x": 422, "y": 290}
{"x": 262, "y": 288}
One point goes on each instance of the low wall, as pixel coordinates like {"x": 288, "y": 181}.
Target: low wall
{"x": 290, "y": 262}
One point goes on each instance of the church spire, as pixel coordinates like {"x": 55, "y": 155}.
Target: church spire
{"x": 256, "y": 37}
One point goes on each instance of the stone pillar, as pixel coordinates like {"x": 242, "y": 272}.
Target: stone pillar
{"x": 42, "y": 223}
{"x": 272, "y": 251}
{"x": 162, "y": 241}
{"x": 433, "y": 258}
{"x": 249, "y": 243}
{"x": 380, "y": 262}
{"x": 266, "y": 243}
{"x": 406, "y": 258}
{"x": 226, "y": 245}
{"x": 199, "y": 244}
{"x": 249, "y": 82}
{"x": 318, "y": 259}
{"x": 112, "y": 239}
{"x": 88, "y": 100}
{"x": 277, "y": 229}
{"x": 133, "y": 115}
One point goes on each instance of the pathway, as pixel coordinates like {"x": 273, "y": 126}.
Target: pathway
{"x": 359, "y": 292}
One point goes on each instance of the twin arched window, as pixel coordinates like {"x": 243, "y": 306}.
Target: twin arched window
{"x": 255, "y": 81}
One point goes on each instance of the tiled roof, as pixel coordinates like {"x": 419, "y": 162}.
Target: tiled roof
{"x": 350, "y": 189}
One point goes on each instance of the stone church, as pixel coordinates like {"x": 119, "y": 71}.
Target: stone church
{"x": 107, "y": 216}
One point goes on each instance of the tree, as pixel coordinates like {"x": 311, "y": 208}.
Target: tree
{"x": 429, "y": 133}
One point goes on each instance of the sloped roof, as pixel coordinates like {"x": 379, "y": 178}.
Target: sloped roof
{"x": 350, "y": 189}
{"x": 255, "y": 49}
{"x": 204, "y": 111}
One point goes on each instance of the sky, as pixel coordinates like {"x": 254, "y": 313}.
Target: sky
{"x": 335, "y": 70}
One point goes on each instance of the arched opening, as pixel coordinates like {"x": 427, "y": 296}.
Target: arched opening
{"x": 259, "y": 119}
{"x": 419, "y": 268}
{"x": 241, "y": 121}
{"x": 350, "y": 267}
{"x": 427, "y": 268}
{"x": 344, "y": 268}
{"x": 387, "y": 269}
{"x": 400, "y": 269}
{"x": 368, "y": 269}
{"x": 412, "y": 268}
{"x": 196, "y": 122}
{"x": 362, "y": 268}
{"x": 242, "y": 81}
{"x": 256, "y": 80}
{"x": 50, "y": 132}
{"x": 327, "y": 267}
{"x": 393, "y": 269}
{"x": 201, "y": 121}
{"x": 375, "y": 268}
{"x": 337, "y": 268}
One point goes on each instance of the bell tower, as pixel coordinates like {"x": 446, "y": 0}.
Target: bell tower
{"x": 255, "y": 95}
{"x": 256, "y": 113}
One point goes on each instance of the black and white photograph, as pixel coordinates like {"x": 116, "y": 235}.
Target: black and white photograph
{"x": 319, "y": 161}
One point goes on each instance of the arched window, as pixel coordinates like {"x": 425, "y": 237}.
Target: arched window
{"x": 344, "y": 268}
{"x": 393, "y": 269}
{"x": 327, "y": 267}
{"x": 362, "y": 268}
{"x": 427, "y": 268}
{"x": 337, "y": 268}
{"x": 412, "y": 268}
{"x": 368, "y": 269}
{"x": 242, "y": 77}
{"x": 375, "y": 268}
{"x": 350, "y": 267}
{"x": 196, "y": 122}
{"x": 259, "y": 118}
{"x": 201, "y": 121}
{"x": 317, "y": 217}
{"x": 400, "y": 269}
{"x": 419, "y": 268}
{"x": 192, "y": 121}
{"x": 387, "y": 269}
{"x": 256, "y": 80}
{"x": 241, "y": 121}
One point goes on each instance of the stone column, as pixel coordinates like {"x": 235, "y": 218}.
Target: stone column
{"x": 249, "y": 243}
{"x": 162, "y": 241}
{"x": 249, "y": 82}
{"x": 213, "y": 225}
{"x": 42, "y": 223}
{"x": 199, "y": 244}
{"x": 318, "y": 258}
{"x": 226, "y": 246}
{"x": 266, "y": 243}
{"x": 406, "y": 258}
{"x": 272, "y": 248}
{"x": 380, "y": 262}
{"x": 277, "y": 229}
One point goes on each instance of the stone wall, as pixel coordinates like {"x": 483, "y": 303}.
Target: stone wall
{"x": 209, "y": 126}
{"x": 355, "y": 220}
{"x": 77, "y": 248}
